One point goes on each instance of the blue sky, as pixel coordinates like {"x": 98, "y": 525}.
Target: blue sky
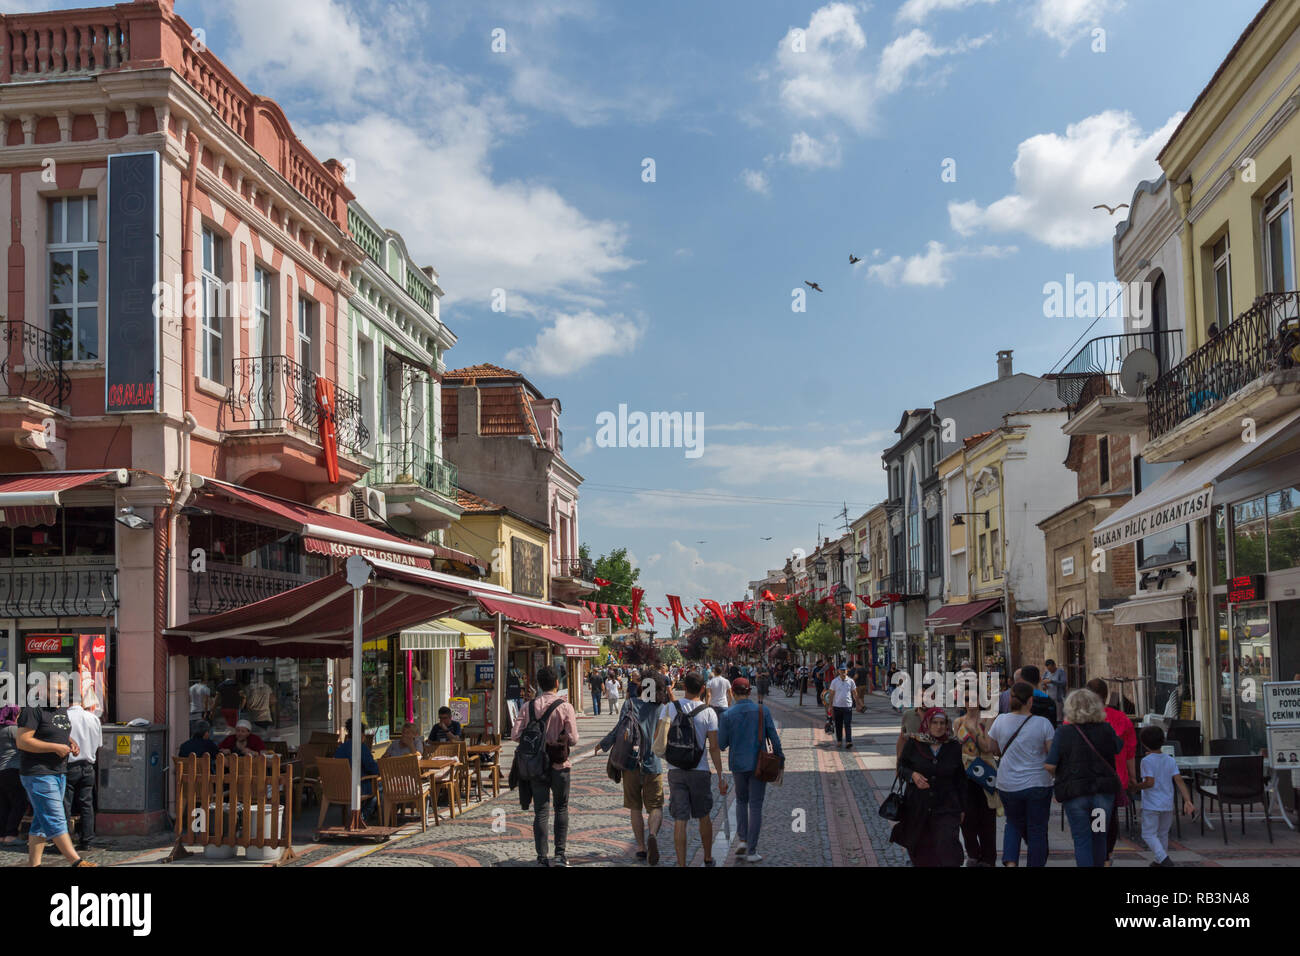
{"x": 522, "y": 170}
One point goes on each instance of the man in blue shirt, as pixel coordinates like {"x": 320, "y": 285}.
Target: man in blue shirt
{"x": 643, "y": 773}
{"x": 368, "y": 768}
{"x": 1042, "y": 704}
{"x": 738, "y": 734}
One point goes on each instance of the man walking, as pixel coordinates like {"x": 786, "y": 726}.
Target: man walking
{"x": 79, "y": 797}
{"x": 689, "y": 794}
{"x": 596, "y": 682}
{"x": 613, "y": 690}
{"x": 740, "y": 735}
{"x": 845, "y": 697}
{"x": 561, "y": 733}
{"x": 1054, "y": 684}
{"x": 632, "y": 751}
{"x": 719, "y": 691}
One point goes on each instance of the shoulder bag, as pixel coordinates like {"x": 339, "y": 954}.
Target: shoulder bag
{"x": 1110, "y": 764}
{"x": 767, "y": 767}
{"x": 892, "y": 808}
{"x": 984, "y": 772}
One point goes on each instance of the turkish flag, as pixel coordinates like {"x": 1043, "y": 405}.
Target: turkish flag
{"x": 637, "y": 594}
{"x": 802, "y": 611}
{"x": 601, "y": 582}
{"x": 716, "y": 608}
{"x": 675, "y": 603}
{"x": 328, "y": 427}
{"x": 617, "y": 616}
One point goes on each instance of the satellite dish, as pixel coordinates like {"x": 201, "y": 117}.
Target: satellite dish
{"x": 1140, "y": 369}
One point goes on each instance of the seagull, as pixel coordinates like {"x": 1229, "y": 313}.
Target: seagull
{"x": 854, "y": 259}
{"x": 765, "y": 539}
{"x": 1110, "y": 210}
{"x": 812, "y": 285}
{"x": 701, "y": 542}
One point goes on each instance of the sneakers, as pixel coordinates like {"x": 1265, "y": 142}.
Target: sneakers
{"x": 849, "y": 745}
{"x": 543, "y": 861}
{"x": 652, "y": 850}
{"x": 561, "y": 860}
{"x": 1167, "y": 861}
{"x": 710, "y": 862}
{"x": 640, "y": 854}
{"x": 740, "y": 851}
{"x": 84, "y": 862}
{"x": 754, "y": 858}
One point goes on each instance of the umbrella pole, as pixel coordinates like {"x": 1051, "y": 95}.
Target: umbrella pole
{"x": 354, "y": 821}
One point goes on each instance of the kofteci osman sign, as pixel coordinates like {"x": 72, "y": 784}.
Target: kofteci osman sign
{"x": 131, "y": 339}
{"x": 1174, "y": 514}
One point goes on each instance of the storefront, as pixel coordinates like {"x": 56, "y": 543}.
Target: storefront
{"x": 286, "y": 698}
{"x": 1164, "y": 627}
{"x": 966, "y": 632}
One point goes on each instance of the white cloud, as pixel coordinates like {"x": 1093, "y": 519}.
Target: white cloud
{"x": 543, "y": 88}
{"x": 813, "y": 153}
{"x": 1065, "y": 21}
{"x": 748, "y": 426}
{"x": 574, "y": 341}
{"x": 901, "y": 55}
{"x": 918, "y": 11}
{"x": 932, "y": 267}
{"x": 1059, "y": 179}
{"x": 829, "y": 77}
{"x": 586, "y": 447}
{"x": 755, "y": 181}
{"x": 856, "y": 460}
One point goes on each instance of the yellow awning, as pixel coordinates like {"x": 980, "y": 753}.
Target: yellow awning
{"x": 471, "y": 638}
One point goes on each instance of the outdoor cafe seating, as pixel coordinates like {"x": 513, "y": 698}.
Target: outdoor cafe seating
{"x": 235, "y": 801}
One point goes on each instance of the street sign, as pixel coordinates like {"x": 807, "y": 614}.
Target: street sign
{"x": 1282, "y": 702}
{"x": 1284, "y": 747}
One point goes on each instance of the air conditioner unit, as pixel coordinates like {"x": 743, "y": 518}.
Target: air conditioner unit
{"x": 369, "y": 505}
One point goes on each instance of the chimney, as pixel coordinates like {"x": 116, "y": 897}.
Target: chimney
{"x": 1004, "y": 363}
{"x": 467, "y": 410}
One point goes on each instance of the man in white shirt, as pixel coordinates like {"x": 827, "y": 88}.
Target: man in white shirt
{"x": 689, "y": 794}
{"x": 79, "y": 796}
{"x": 200, "y": 702}
{"x": 844, "y": 698}
{"x": 613, "y": 688}
{"x": 719, "y": 691}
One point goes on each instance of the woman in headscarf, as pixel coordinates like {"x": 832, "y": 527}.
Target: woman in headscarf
{"x": 13, "y": 798}
{"x": 935, "y": 802}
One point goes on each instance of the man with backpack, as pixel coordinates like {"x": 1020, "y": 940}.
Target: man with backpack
{"x": 1043, "y": 705}
{"x": 631, "y": 750}
{"x": 545, "y": 729}
{"x": 686, "y": 730}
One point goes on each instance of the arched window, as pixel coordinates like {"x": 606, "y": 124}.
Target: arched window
{"x": 913, "y": 527}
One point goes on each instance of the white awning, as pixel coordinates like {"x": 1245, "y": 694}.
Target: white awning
{"x": 1167, "y": 607}
{"x": 1182, "y": 495}
{"x": 433, "y": 636}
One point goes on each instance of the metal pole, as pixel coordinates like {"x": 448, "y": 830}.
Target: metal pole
{"x": 356, "y": 823}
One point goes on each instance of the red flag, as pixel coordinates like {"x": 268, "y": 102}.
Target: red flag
{"x": 328, "y": 432}
{"x": 675, "y": 603}
{"x": 650, "y": 614}
{"x": 602, "y": 583}
{"x": 617, "y": 617}
{"x": 802, "y": 611}
{"x": 716, "y": 608}
{"x": 604, "y": 610}
{"x": 637, "y": 594}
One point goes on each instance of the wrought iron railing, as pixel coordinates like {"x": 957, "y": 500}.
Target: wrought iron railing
{"x": 274, "y": 391}
{"x": 1262, "y": 340}
{"x": 31, "y": 365}
{"x": 583, "y": 570}
{"x": 902, "y": 582}
{"x": 406, "y": 463}
{"x": 1095, "y": 369}
{"x": 221, "y": 588}
{"x": 57, "y": 591}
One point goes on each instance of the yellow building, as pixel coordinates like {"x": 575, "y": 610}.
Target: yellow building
{"x": 1224, "y": 424}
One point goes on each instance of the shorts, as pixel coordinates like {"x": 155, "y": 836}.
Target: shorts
{"x": 643, "y": 791}
{"x": 690, "y": 794}
{"x": 45, "y": 791}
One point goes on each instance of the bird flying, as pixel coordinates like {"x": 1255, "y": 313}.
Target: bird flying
{"x": 769, "y": 538}
{"x": 812, "y": 285}
{"x": 1109, "y": 209}
{"x": 854, "y": 259}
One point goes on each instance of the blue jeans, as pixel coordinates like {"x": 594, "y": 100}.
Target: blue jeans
{"x": 1028, "y": 812}
{"x": 1089, "y": 843}
{"x": 595, "y": 701}
{"x": 749, "y": 807}
{"x": 45, "y": 791}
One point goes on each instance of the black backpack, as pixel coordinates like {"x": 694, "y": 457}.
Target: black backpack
{"x": 684, "y": 750}
{"x": 629, "y": 743}
{"x": 531, "y": 758}
{"x": 1043, "y": 707}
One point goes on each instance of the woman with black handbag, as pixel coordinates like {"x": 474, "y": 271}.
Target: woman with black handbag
{"x": 934, "y": 802}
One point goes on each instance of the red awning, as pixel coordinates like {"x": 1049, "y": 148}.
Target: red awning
{"x": 572, "y": 646}
{"x": 325, "y": 532}
{"x": 42, "y": 489}
{"x": 951, "y": 617}
{"x": 315, "y": 620}
{"x": 461, "y": 557}
{"x": 584, "y": 615}
{"x": 519, "y": 610}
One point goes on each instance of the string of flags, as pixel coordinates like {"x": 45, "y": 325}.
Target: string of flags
{"x": 735, "y": 610}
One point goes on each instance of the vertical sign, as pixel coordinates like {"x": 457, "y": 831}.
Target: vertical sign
{"x": 131, "y": 356}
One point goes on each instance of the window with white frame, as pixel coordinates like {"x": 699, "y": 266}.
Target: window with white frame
{"x": 212, "y": 323}
{"x": 307, "y": 313}
{"x": 364, "y": 378}
{"x": 1222, "y": 257}
{"x": 1279, "y": 254}
{"x": 260, "y": 338}
{"x": 73, "y": 291}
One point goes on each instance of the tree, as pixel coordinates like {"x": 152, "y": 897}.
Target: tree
{"x": 819, "y": 638}
{"x": 669, "y": 655}
{"x": 615, "y": 568}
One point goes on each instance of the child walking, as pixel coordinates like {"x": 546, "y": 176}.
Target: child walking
{"x": 1159, "y": 778}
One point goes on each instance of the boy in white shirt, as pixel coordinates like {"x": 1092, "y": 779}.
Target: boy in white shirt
{"x": 1159, "y": 778}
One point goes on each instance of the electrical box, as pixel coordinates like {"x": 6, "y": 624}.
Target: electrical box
{"x": 132, "y": 768}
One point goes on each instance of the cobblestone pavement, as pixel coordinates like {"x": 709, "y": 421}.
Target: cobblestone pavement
{"x": 823, "y": 814}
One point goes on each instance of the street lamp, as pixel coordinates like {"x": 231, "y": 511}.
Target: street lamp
{"x": 820, "y": 565}
{"x": 957, "y": 521}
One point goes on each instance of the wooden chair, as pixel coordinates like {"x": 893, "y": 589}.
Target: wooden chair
{"x": 459, "y": 771}
{"x": 402, "y": 783}
{"x": 309, "y": 781}
{"x": 336, "y": 787}
{"x": 280, "y": 747}
{"x": 491, "y": 763}
{"x": 327, "y": 740}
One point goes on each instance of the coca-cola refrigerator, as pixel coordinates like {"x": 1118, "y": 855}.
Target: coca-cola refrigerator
{"x": 46, "y": 652}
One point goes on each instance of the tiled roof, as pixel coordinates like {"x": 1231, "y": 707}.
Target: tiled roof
{"x": 476, "y": 504}
{"x": 484, "y": 370}
{"x": 974, "y": 440}
{"x": 504, "y": 410}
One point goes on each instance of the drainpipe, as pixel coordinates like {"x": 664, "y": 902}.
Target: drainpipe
{"x": 1191, "y": 327}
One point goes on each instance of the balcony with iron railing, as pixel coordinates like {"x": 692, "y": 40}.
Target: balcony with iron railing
{"x": 579, "y": 569}
{"x": 1250, "y": 368}
{"x": 59, "y": 590}
{"x": 221, "y": 587}
{"x": 907, "y": 583}
{"x": 275, "y": 393}
{"x": 410, "y": 463}
{"x": 31, "y": 364}
{"x": 1095, "y": 369}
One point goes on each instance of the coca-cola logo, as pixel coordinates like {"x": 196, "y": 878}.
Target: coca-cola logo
{"x": 44, "y": 645}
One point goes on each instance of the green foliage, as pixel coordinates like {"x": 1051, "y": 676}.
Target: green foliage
{"x": 819, "y": 638}
{"x": 669, "y": 655}
{"x": 603, "y": 655}
{"x": 617, "y": 569}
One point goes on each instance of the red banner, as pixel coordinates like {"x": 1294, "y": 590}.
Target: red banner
{"x": 328, "y": 430}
